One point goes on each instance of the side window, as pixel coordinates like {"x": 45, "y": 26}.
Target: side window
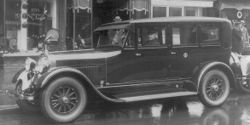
{"x": 209, "y": 34}
{"x": 153, "y": 36}
{"x": 184, "y": 34}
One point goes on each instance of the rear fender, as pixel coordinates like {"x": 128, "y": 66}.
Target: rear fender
{"x": 205, "y": 67}
{"x": 53, "y": 73}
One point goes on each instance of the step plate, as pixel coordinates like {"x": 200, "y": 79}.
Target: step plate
{"x": 157, "y": 96}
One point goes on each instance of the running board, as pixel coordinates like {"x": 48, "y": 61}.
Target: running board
{"x": 156, "y": 96}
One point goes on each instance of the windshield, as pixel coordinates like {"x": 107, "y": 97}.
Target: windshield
{"x": 112, "y": 37}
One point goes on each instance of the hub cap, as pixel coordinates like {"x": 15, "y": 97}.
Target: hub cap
{"x": 64, "y": 99}
{"x": 215, "y": 88}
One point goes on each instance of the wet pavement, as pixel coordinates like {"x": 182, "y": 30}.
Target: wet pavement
{"x": 175, "y": 111}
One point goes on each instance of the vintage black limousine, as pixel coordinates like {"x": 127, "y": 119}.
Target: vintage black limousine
{"x": 133, "y": 61}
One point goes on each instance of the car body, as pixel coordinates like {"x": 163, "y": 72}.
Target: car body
{"x": 134, "y": 60}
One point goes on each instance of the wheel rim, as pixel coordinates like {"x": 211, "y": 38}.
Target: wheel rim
{"x": 64, "y": 99}
{"x": 215, "y": 88}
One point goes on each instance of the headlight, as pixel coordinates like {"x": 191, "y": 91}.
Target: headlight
{"x": 42, "y": 64}
{"x": 30, "y": 64}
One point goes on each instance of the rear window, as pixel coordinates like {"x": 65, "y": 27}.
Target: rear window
{"x": 193, "y": 34}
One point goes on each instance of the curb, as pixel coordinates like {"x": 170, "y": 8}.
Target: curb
{"x": 8, "y": 107}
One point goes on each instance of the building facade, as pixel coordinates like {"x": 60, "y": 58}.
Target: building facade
{"x": 235, "y": 10}
{"x": 25, "y": 22}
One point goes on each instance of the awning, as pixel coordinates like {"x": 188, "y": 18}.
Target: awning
{"x": 235, "y": 5}
{"x": 81, "y": 5}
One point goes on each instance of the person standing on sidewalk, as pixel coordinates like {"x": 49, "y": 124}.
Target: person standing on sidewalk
{"x": 237, "y": 38}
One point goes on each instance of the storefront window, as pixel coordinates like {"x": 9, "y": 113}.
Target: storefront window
{"x": 140, "y": 9}
{"x": 191, "y": 11}
{"x": 78, "y": 24}
{"x": 159, "y": 11}
{"x": 2, "y": 25}
{"x": 175, "y": 11}
{"x": 27, "y": 22}
{"x": 12, "y": 24}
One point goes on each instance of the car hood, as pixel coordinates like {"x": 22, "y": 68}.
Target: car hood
{"x": 84, "y": 54}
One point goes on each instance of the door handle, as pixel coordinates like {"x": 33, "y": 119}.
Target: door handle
{"x": 138, "y": 54}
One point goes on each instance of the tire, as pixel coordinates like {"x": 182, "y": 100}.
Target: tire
{"x": 25, "y": 105}
{"x": 243, "y": 86}
{"x": 63, "y": 100}
{"x": 214, "y": 88}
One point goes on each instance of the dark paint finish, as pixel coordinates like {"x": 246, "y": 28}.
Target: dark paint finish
{"x": 94, "y": 69}
{"x": 172, "y": 66}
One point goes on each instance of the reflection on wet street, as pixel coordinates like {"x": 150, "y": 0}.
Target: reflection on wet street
{"x": 175, "y": 111}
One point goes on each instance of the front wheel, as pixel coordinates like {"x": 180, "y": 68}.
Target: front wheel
{"x": 214, "y": 88}
{"x": 63, "y": 100}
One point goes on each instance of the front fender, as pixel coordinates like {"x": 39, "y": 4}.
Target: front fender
{"x": 215, "y": 64}
{"x": 45, "y": 79}
{"x": 15, "y": 77}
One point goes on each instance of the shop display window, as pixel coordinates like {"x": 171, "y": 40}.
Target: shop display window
{"x": 159, "y": 11}
{"x": 191, "y": 11}
{"x": 175, "y": 11}
{"x": 27, "y": 23}
{"x": 2, "y": 25}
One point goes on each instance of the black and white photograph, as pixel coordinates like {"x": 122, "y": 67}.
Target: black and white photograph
{"x": 124, "y": 62}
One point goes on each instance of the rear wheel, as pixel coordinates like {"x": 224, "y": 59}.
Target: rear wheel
{"x": 63, "y": 100}
{"x": 214, "y": 88}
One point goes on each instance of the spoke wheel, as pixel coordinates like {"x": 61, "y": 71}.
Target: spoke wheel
{"x": 214, "y": 88}
{"x": 63, "y": 100}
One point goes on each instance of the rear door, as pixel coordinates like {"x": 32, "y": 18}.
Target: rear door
{"x": 186, "y": 48}
{"x": 196, "y": 43}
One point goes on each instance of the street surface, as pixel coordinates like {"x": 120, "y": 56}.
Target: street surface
{"x": 175, "y": 111}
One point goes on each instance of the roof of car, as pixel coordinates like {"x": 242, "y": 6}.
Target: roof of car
{"x": 176, "y": 19}
{"x": 164, "y": 19}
